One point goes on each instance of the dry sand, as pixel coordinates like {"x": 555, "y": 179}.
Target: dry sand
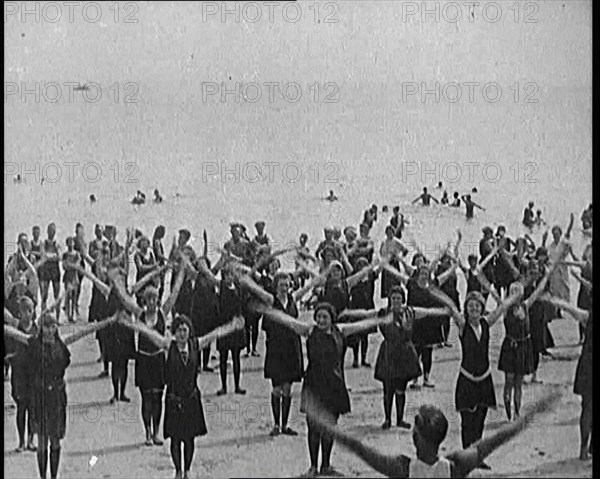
{"x": 238, "y": 443}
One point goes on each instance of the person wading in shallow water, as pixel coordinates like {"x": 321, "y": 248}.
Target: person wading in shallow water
{"x": 425, "y": 197}
{"x": 470, "y": 205}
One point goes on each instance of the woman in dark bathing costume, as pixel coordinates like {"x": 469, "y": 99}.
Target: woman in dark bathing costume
{"x": 47, "y": 360}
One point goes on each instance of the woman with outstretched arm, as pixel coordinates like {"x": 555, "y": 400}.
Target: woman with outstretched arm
{"x": 429, "y": 431}
{"x": 184, "y": 416}
{"x": 47, "y": 360}
{"x": 284, "y": 363}
{"x": 475, "y": 388}
{"x": 325, "y": 372}
{"x": 397, "y": 361}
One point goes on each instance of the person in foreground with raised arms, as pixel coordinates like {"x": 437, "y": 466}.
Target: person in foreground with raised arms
{"x": 429, "y": 431}
{"x": 326, "y": 344}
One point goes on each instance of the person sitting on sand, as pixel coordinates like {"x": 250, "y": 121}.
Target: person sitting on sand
{"x": 331, "y": 196}
{"x": 425, "y": 198}
{"x": 92, "y": 199}
{"x": 470, "y": 205}
{"x": 157, "y": 197}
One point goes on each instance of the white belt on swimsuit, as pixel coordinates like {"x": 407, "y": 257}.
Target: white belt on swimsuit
{"x": 475, "y": 378}
{"x": 155, "y": 353}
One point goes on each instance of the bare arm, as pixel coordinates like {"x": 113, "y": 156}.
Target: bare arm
{"x": 454, "y": 312}
{"x": 33, "y": 282}
{"x": 502, "y": 308}
{"x": 89, "y": 329}
{"x": 102, "y": 287}
{"x": 207, "y": 273}
{"x": 576, "y": 264}
{"x": 421, "y": 313}
{"x": 10, "y": 319}
{"x": 570, "y": 227}
{"x": 348, "y": 329}
{"x": 236, "y": 324}
{"x": 143, "y": 268}
{"x": 357, "y": 277}
{"x": 128, "y": 302}
{"x": 54, "y": 305}
{"x": 468, "y": 459}
{"x": 298, "y": 327}
{"x": 445, "y": 276}
{"x": 390, "y": 466}
{"x": 170, "y": 301}
{"x": 161, "y": 341}
{"x": 487, "y": 286}
{"x": 310, "y": 284}
{"x": 351, "y": 315}
{"x": 149, "y": 277}
{"x": 581, "y": 315}
{"x": 562, "y": 249}
{"x": 394, "y": 272}
{"x": 256, "y": 290}
{"x": 586, "y": 284}
{"x": 14, "y": 333}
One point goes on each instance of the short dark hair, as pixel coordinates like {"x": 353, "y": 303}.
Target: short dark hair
{"x": 182, "y": 319}
{"x": 432, "y": 424}
{"x": 278, "y": 277}
{"x": 327, "y": 307}
{"x": 397, "y": 289}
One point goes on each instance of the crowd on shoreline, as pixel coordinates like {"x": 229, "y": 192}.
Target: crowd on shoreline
{"x": 328, "y": 299}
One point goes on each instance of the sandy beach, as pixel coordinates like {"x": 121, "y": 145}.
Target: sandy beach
{"x": 173, "y": 139}
{"x": 238, "y": 442}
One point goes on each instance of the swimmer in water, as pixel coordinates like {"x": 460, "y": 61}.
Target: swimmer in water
{"x": 425, "y": 197}
{"x": 470, "y": 205}
{"x": 474, "y": 190}
{"x": 92, "y": 199}
{"x": 157, "y": 197}
{"x": 331, "y": 196}
{"x": 445, "y": 200}
{"x": 138, "y": 199}
{"x": 439, "y": 185}
{"x": 538, "y": 219}
{"x": 456, "y": 202}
